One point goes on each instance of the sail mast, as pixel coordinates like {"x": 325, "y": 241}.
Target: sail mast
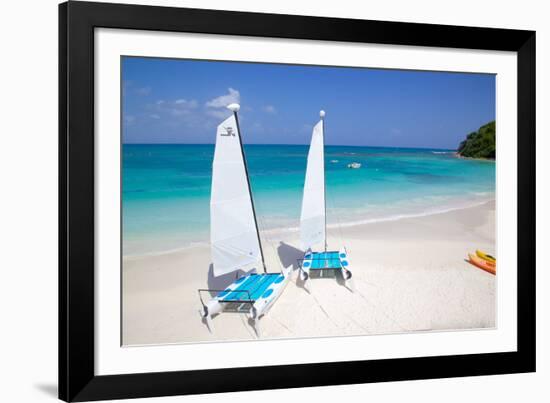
{"x": 234, "y": 108}
{"x": 322, "y": 115}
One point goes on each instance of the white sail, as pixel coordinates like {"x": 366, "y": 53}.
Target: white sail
{"x": 233, "y": 232}
{"x": 312, "y": 221}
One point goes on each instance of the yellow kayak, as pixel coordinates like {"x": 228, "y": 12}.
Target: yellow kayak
{"x": 485, "y": 256}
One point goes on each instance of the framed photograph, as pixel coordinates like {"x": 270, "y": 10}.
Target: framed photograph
{"x": 257, "y": 201}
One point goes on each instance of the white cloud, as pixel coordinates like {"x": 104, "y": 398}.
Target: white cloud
{"x": 269, "y": 109}
{"x": 216, "y": 108}
{"x": 143, "y": 90}
{"x": 191, "y": 104}
{"x": 190, "y": 112}
{"x": 218, "y": 113}
{"x": 182, "y": 107}
{"x": 176, "y": 108}
{"x": 129, "y": 119}
{"x": 233, "y": 96}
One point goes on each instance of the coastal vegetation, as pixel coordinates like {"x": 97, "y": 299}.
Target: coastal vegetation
{"x": 480, "y": 144}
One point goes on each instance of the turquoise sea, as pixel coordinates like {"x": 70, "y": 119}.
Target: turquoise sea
{"x": 166, "y": 188}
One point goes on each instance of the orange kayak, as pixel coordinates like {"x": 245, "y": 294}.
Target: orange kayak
{"x": 483, "y": 264}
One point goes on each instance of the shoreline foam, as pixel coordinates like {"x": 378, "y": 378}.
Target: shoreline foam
{"x": 281, "y": 232}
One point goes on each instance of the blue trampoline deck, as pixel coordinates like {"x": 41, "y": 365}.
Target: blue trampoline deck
{"x": 325, "y": 260}
{"x": 250, "y": 288}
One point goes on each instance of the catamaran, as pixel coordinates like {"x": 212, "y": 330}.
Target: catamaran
{"x": 313, "y": 221}
{"x": 234, "y": 236}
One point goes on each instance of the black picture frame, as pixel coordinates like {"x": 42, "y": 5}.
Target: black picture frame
{"x": 77, "y": 379}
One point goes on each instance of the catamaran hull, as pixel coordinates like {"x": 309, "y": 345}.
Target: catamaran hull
{"x": 235, "y": 298}
{"x": 336, "y": 261}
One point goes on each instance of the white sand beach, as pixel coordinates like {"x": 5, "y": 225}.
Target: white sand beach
{"x": 409, "y": 275}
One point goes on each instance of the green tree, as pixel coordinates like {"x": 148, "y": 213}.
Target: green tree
{"x": 480, "y": 144}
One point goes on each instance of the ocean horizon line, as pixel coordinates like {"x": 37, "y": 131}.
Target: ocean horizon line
{"x": 297, "y": 145}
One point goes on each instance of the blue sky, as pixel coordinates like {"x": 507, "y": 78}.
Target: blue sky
{"x": 182, "y": 101}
